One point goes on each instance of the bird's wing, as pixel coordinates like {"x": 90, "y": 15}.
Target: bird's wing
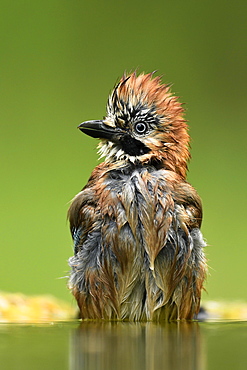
{"x": 81, "y": 215}
{"x": 186, "y": 196}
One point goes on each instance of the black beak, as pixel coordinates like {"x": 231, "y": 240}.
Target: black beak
{"x": 98, "y": 129}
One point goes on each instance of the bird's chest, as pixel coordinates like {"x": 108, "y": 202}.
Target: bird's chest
{"x": 135, "y": 213}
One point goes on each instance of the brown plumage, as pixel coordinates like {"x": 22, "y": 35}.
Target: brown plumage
{"x": 136, "y": 224}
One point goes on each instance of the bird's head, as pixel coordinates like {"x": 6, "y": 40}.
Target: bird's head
{"x": 144, "y": 124}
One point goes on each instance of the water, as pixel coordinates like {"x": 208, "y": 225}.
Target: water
{"x": 119, "y": 345}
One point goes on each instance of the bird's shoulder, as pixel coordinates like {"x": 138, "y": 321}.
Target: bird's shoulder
{"x": 110, "y": 183}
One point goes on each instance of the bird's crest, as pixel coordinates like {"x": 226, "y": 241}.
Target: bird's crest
{"x": 134, "y": 89}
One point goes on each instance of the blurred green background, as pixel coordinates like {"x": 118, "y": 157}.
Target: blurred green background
{"x": 59, "y": 60}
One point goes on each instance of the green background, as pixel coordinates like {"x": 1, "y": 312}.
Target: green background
{"x": 59, "y": 60}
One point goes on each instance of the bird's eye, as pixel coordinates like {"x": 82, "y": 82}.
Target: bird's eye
{"x": 141, "y": 128}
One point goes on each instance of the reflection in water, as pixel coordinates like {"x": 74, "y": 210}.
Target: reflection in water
{"x": 147, "y": 346}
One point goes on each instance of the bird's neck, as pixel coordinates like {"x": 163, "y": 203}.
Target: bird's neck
{"x": 127, "y": 167}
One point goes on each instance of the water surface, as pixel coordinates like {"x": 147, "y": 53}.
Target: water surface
{"x": 123, "y": 345}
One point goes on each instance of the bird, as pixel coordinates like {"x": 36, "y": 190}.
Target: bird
{"x": 138, "y": 248}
